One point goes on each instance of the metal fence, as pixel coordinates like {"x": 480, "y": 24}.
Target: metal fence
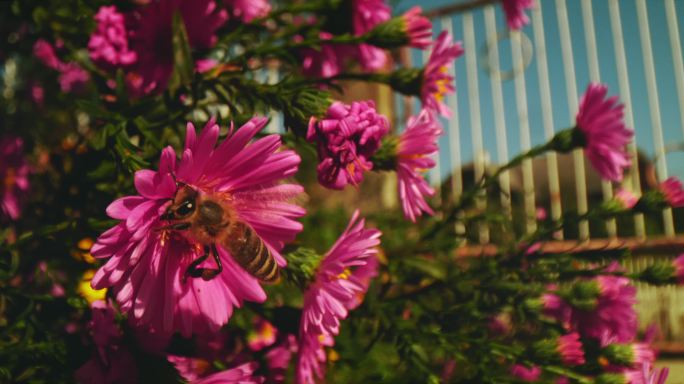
{"x": 516, "y": 89}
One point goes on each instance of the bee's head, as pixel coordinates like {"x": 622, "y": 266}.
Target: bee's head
{"x": 183, "y": 205}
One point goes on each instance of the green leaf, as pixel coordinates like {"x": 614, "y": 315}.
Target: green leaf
{"x": 183, "y": 65}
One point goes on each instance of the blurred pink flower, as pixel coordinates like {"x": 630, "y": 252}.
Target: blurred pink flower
{"x": 540, "y": 214}
{"x": 346, "y": 138}
{"x": 524, "y": 373}
{"x": 326, "y": 61}
{"x": 14, "y": 172}
{"x": 195, "y": 371}
{"x": 278, "y": 358}
{"x": 113, "y": 362}
{"x": 418, "y": 28}
{"x": 333, "y": 293}
{"x": 570, "y": 349}
{"x": 151, "y": 32}
{"x": 437, "y": 82}
{"x": 248, "y": 10}
{"x": 147, "y": 265}
{"x": 416, "y": 146}
{"x": 366, "y": 14}
{"x": 262, "y": 335}
{"x": 515, "y": 12}
{"x": 37, "y": 94}
{"x": 652, "y": 375}
{"x": 678, "y": 265}
{"x": 108, "y": 44}
{"x": 673, "y": 191}
{"x": 605, "y": 134}
{"x": 46, "y": 54}
{"x": 626, "y": 198}
{"x": 72, "y": 78}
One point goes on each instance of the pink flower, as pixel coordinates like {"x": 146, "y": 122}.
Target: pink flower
{"x": 651, "y": 375}
{"x": 339, "y": 280}
{"x": 326, "y": 61}
{"x": 515, "y": 12}
{"x": 418, "y": 28}
{"x": 37, "y": 94}
{"x": 614, "y": 313}
{"x": 570, "y": 349}
{"x": 436, "y": 79}
{"x": 72, "y": 78}
{"x": 346, "y": 138}
{"x": 46, "y": 54}
{"x": 278, "y": 359}
{"x": 416, "y": 146}
{"x": 14, "y": 171}
{"x": 540, "y": 214}
{"x": 263, "y": 335}
{"x": 366, "y": 14}
{"x": 148, "y": 264}
{"x": 151, "y": 32}
{"x": 605, "y": 134}
{"x": 678, "y": 265}
{"x": 113, "y": 362}
{"x": 524, "y": 373}
{"x": 108, "y": 45}
{"x": 311, "y": 358}
{"x": 673, "y": 191}
{"x": 195, "y": 372}
{"x": 626, "y": 198}
{"x": 248, "y": 10}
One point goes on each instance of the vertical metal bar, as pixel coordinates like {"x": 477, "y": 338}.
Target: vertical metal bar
{"x": 454, "y": 126}
{"x": 475, "y": 122}
{"x": 497, "y": 100}
{"x": 524, "y": 125}
{"x": 625, "y": 92}
{"x": 654, "y": 105}
{"x": 594, "y": 74}
{"x": 569, "y": 70}
{"x": 547, "y": 113}
{"x": 676, "y": 46}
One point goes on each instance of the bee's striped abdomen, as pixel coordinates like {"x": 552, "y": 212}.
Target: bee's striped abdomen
{"x": 251, "y": 253}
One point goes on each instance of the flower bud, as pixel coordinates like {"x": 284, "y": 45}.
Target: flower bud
{"x": 412, "y": 28}
{"x": 629, "y": 355}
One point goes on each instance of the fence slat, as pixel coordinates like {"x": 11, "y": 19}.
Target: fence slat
{"x": 654, "y": 105}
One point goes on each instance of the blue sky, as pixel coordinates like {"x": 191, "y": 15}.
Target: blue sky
{"x": 669, "y": 102}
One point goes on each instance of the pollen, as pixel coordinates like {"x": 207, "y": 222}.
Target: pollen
{"x": 345, "y": 274}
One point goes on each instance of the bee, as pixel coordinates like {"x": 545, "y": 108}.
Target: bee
{"x": 208, "y": 219}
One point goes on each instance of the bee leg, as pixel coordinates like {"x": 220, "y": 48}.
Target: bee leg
{"x": 175, "y": 227}
{"x": 205, "y": 273}
{"x": 192, "y": 269}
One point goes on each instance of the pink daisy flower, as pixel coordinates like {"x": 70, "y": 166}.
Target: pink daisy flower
{"x": 529, "y": 374}
{"x": 346, "y": 138}
{"x": 339, "y": 280}
{"x": 366, "y": 14}
{"x": 14, "y": 172}
{"x": 673, "y": 191}
{"x": 113, "y": 362}
{"x": 108, "y": 44}
{"x": 416, "y": 146}
{"x": 605, "y": 134}
{"x": 651, "y": 375}
{"x": 148, "y": 264}
{"x": 436, "y": 79}
{"x": 418, "y": 28}
{"x": 195, "y": 372}
{"x": 515, "y": 12}
{"x": 570, "y": 349}
{"x": 151, "y": 32}
{"x": 248, "y": 10}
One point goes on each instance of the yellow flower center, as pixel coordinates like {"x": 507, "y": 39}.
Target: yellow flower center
{"x": 345, "y": 274}
{"x": 442, "y": 85}
{"x": 87, "y": 291}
